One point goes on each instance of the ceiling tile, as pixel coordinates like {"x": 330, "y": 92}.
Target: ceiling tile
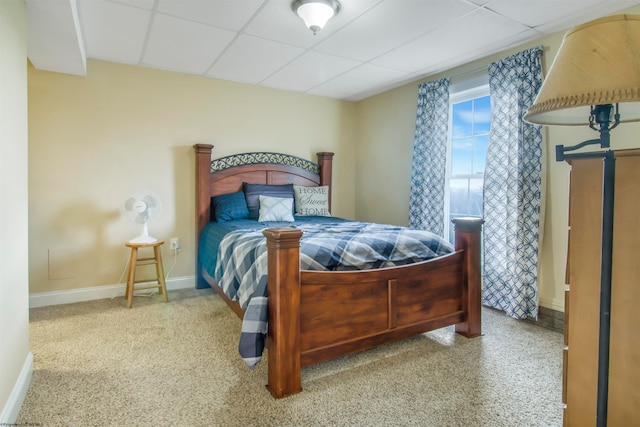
{"x": 388, "y": 26}
{"x": 230, "y": 14}
{"x": 113, "y": 31}
{"x": 601, "y": 8}
{"x": 537, "y": 12}
{"x": 142, "y": 4}
{"x": 356, "y": 81}
{"x": 308, "y": 71}
{"x": 455, "y": 38}
{"x": 179, "y": 45}
{"x": 251, "y": 59}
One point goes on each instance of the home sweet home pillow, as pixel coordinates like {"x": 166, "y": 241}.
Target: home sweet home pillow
{"x": 311, "y": 201}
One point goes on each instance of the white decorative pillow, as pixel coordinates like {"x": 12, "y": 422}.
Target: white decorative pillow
{"x": 312, "y": 201}
{"x": 275, "y": 209}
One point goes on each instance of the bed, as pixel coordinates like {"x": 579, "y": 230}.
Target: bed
{"x": 314, "y": 316}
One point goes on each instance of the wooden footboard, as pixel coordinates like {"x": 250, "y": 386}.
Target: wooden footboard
{"x": 316, "y": 316}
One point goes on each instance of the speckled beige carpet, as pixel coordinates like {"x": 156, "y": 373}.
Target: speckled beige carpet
{"x": 97, "y": 363}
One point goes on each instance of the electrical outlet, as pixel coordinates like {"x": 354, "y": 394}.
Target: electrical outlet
{"x": 175, "y": 244}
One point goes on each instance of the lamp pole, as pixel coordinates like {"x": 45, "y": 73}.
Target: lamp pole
{"x": 600, "y": 120}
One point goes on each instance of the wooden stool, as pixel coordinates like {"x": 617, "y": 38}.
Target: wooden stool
{"x": 134, "y": 262}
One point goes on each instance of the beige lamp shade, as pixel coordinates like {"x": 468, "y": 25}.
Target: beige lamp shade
{"x": 598, "y": 63}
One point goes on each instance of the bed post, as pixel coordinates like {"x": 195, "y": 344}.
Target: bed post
{"x": 283, "y": 284}
{"x": 203, "y": 199}
{"x": 325, "y": 160}
{"x": 467, "y": 238}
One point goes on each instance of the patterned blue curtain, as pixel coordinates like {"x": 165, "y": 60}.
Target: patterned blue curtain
{"x": 512, "y": 188}
{"x": 426, "y": 202}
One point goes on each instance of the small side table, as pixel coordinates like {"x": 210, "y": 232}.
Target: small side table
{"x": 135, "y": 261}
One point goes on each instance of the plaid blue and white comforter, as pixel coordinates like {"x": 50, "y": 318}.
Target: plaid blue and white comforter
{"x": 241, "y": 267}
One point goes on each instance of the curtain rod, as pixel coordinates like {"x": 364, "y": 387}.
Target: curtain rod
{"x": 466, "y": 73}
{"x": 453, "y": 76}
{"x": 486, "y": 67}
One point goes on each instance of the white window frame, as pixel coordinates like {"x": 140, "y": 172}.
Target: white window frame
{"x": 455, "y": 98}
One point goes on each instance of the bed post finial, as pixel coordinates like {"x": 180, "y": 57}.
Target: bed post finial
{"x": 283, "y": 283}
{"x": 203, "y": 198}
{"x": 325, "y": 160}
{"x": 467, "y": 238}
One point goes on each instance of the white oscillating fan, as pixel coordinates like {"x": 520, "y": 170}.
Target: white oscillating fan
{"x": 140, "y": 208}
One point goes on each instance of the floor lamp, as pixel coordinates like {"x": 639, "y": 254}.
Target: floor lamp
{"x": 595, "y": 81}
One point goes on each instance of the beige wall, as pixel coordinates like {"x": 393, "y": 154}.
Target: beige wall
{"x": 386, "y": 125}
{"x": 94, "y": 140}
{"x": 15, "y": 366}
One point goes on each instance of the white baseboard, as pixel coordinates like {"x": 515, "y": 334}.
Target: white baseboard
{"x": 16, "y": 398}
{"x": 552, "y": 303}
{"x": 98, "y": 292}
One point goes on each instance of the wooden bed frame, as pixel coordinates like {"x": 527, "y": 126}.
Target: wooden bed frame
{"x": 316, "y": 316}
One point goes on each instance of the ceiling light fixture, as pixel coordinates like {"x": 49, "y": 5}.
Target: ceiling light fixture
{"x": 315, "y": 13}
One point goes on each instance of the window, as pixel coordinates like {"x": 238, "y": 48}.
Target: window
{"x": 469, "y": 121}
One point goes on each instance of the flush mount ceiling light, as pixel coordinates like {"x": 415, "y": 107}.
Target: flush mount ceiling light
{"x": 315, "y": 13}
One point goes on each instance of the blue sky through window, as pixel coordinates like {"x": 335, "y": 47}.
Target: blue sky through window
{"x": 470, "y": 124}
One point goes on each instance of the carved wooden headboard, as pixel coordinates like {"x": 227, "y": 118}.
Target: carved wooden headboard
{"x": 226, "y": 175}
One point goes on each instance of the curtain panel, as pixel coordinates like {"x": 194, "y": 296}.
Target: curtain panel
{"x": 428, "y": 172}
{"x": 513, "y": 187}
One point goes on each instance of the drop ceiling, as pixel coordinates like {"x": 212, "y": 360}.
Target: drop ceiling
{"x": 371, "y": 45}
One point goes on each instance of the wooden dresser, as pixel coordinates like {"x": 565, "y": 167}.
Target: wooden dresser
{"x": 582, "y": 305}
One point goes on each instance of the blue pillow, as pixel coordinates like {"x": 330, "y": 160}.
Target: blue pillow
{"x": 252, "y": 193}
{"x": 227, "y": 207}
